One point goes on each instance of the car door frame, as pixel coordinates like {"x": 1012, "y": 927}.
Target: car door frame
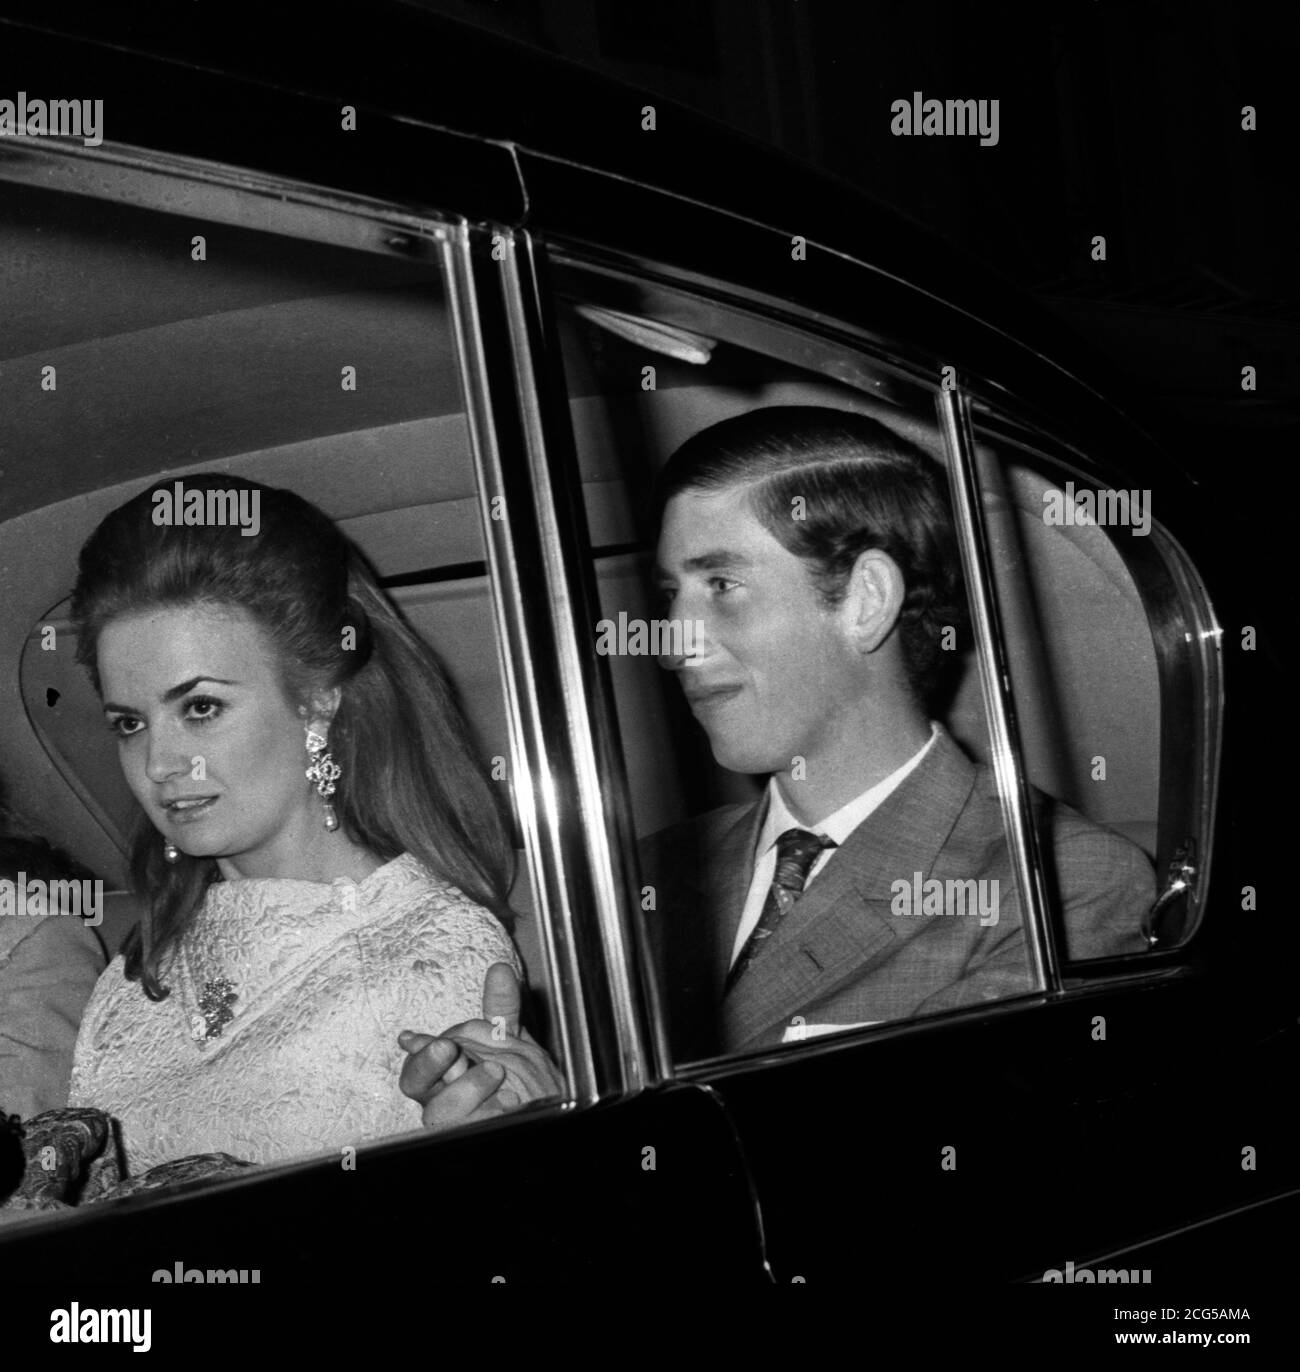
{"x": 671, "y": 241}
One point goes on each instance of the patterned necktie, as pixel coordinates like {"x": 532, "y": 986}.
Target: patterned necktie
{"x": 796, "y": 851}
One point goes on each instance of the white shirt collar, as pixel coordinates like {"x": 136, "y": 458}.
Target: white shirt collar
{"x": 846, "y": 819}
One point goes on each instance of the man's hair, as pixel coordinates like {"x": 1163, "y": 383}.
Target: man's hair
{"x": 829, "y": 485}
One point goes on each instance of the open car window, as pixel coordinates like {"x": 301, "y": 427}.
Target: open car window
{"x": 648, "y": 367}
{"x": 920, "y": 911}
{"x": 315, "y": 352}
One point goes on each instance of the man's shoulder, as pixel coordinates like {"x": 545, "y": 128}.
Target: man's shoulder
{"x": 1097, "y": 865}
{"x": 54, "y": 939}
{"x": 1069, "y": 830}
{"x": 1085, "y": 841}
{"x": 1102, "y": 880}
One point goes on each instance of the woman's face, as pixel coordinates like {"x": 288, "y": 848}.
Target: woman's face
{"x": 208, "y": 740}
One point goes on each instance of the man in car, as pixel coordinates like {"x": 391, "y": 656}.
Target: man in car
{"x": 813, "y": 552}
{"x": 49, "y": 963}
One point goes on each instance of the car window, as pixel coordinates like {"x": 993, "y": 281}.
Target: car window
{"x": 1112, "y": 650}
{"x": 156, "y": 342}
{"x": 898, "y": 932}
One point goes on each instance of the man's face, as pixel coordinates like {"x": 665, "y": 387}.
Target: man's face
{"x": 247, "y": 802}
{"x": 775, "y": 675}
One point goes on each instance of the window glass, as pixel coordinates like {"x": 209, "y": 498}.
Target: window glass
{"x": 1117, "y": 705}
{"x": 848, "y": 707}
{"x": 144, "y": 347}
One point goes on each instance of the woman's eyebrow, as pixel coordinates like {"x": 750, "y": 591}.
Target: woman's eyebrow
{"x": 175, "y": 692}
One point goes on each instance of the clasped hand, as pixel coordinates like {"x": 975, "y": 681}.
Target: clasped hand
{"x": 482, "y": 1068}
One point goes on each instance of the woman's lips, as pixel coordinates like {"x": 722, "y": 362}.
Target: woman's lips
{"x": 190, "y": 809}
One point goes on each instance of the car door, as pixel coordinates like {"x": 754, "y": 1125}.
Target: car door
{"x": 1004, "y": 1139}
{"x": 422, "y": 319}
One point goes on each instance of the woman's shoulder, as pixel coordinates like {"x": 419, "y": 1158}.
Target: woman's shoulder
{"x": 112, "y": 984}
{"x": 420, "y": 904}
{"x": 429, "y": 951}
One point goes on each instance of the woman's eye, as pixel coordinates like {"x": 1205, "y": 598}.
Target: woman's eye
{"x": 124, "y": 726}
{"x": 202, "y": 709}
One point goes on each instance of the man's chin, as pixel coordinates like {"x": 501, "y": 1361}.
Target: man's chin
{"x": 733, "y": 755}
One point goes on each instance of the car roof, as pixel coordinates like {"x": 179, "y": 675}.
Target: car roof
{"x": 517, "y": 132}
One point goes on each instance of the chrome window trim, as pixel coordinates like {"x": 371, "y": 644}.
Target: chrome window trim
{"x": 608, "y": 1038}
{"x": 533, "y": 793}
{"x": 1006, "y": 754}
{"x": 635, "y": 1035}
{"x": 169, "y": 184}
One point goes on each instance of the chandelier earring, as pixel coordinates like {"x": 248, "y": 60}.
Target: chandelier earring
{"x": 323, "y": 773}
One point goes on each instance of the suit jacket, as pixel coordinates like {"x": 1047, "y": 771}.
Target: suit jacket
{"x": 48, "y": 968}
{"x": 849, "y": 952}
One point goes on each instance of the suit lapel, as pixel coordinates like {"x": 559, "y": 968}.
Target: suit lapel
{"x": 842, "y": 922}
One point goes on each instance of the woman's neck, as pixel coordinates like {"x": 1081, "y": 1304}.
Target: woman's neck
{"x": 322, "y": 857}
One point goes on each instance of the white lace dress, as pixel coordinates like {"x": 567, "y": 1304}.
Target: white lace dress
{"x": 309, "y": 985}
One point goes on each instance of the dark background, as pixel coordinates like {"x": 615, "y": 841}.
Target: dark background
{"x": 1117, "y": 117}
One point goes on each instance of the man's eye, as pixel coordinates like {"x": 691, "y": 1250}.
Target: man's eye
{"x": 124, "y": 726}
{"x": 722, "y": 584}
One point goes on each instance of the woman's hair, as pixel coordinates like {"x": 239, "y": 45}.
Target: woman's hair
{"x": 857, "y": 486}
{"x": 410, "y": 781}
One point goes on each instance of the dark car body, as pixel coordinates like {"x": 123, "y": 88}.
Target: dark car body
{"x": 824, "y": 1166}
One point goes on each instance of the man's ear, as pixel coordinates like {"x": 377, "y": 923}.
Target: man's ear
{"x": 873, "y": 600}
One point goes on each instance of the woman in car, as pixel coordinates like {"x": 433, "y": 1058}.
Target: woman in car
{"x": 322, "y": 859}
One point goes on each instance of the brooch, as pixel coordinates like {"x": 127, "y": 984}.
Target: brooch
{"x": 214, "y": 1009}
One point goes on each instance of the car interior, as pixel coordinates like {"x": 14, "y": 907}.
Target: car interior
{"x": 166, "y": 365}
